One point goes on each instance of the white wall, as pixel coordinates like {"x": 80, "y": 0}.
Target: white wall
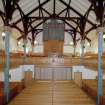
{"x": 94, "y": 43}
{"x": 38, "y": 49}
{"x": 16, "y": 75}
{"x": 13, "y": 40}
{"x": 68, "y": 49}
{"x": 28, "y": 68}
{"x": 86, "y": 73}
{"x": 13, "y": 43}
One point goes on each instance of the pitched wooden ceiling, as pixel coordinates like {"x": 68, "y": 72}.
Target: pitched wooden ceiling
{"x": 27, "y": 16}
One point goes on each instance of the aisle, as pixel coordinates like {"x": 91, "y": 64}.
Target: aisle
{"x": 52, "y": 93}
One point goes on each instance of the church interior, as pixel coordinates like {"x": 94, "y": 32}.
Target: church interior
{"x": 52, "y": 52}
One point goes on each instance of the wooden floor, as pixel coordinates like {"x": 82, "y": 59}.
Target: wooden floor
{"x": 52, "y": 93}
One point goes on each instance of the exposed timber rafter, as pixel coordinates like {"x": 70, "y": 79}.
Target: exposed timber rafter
{"x": 88, "y": 11}
{"x": 99, "y": 8}
{"x": 62, "y": 11}
{"x": 14, "y": 26}
{"x": 29, "y": 24}
{"x": 56, "y": 17}
{"x": 54, "y": 6}
{"x": 79, "y": 14}
{"x": 70, "y": 25}
{"x": 40, "y": 9}
{"x": 50, "y": 17}
{"x": 92, "y": 28}
{"x": 2, "y": 15}
{"x": 68, "y": 10}
{"x": 35, "y": 9}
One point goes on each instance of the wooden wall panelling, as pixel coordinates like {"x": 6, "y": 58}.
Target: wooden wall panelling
{"x": 53, "y": 46}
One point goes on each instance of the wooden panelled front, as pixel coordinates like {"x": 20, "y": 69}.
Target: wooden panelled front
{"x": 28, "y": 77}
{"x": 78, "y": 78}
{"x": 53, "y": 46}
{"x": 90, "y": 87}
{"x": 16, "y": 59}
{"x": 15, "y": 89}
{"x": 49, "y": 73}
{"x": 91, "y": 61}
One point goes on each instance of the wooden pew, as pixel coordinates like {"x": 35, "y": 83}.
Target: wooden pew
{"x": 90, "y": 87}
{"x": 91, "y": 61}
{"x": 15, "y": 88}
{"x": 52, "y": 93}
{"x": 2, "y": 98}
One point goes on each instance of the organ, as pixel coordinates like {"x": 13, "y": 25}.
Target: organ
{"x": 53, "y": 37}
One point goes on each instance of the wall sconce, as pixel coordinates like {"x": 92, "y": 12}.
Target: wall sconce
{"x": 104, "y": 37}
{"x": 71, "y": 43}
{"x": 27, "y": 50}
{"x": 18, "y": 43}
{"x": 35, "y": 42}
{"x": 89, "y": 44}
{"x": 3, "y": 35}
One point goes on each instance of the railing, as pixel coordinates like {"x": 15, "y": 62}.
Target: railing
{"x": 92, "y": 62}
{"x": 16, "y": 59}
